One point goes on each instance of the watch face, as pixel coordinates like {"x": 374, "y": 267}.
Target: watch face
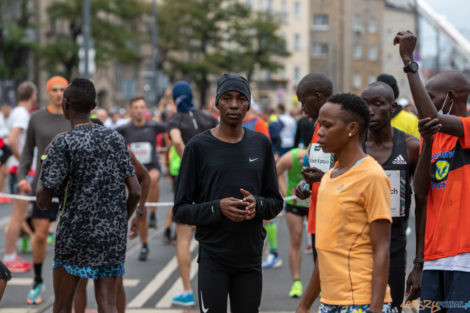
{"x": 413, "y": 67}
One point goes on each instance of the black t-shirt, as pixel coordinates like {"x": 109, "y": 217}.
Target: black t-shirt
{"x": 191, "y": 123}
{"x": 142, "y": 140}
{"x": 305, "y": 130}
{"x": 212, "y": 170}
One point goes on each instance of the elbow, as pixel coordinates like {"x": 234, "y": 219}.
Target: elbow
{"x": 135, "y": 193}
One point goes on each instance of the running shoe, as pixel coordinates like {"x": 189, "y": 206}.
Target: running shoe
{"x": 308, "y": 249}
{"x": 50, "y": 239}
{"x": 272, "y": 261}
{"x": 144, "y": 252}
{"x": 296, "y": 290}
{"x": 153, "y": 221}
{"x": 25, "y": 247}
{"x": 35, "y": 294}
{"x": 18, "y": 265}
{"x": 167, "y": 236}
{"x": 184, "y": 299}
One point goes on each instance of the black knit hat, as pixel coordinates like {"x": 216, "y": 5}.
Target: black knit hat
{"x": 232, "y": 82}
{"x": 391, "y": 81}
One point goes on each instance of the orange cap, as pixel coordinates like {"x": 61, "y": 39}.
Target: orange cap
{"x": 56, "y": 80}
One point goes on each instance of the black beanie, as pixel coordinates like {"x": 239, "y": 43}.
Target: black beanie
{"x": 232, "y": 82}
{"x": 391, "y": 81}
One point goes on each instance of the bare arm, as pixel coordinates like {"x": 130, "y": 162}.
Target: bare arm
{"x": 133, "y": 186}
{"x": 312, "y": 291}
{"x": 380, "y": 237}
{"x": 451, "y": 124}
{"x": 13, "y": 141}
{"x": 177, "y": 141}
{"x": 144, "y": 179}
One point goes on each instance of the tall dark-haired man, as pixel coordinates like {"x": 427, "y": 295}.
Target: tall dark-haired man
{"x": 88, "y": 168}
{"x": 233, "y": 189}
{"x": 141, "y": 136}
{"x": 397, "y": 152}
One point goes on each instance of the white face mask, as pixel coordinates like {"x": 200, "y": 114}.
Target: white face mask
{"x": 441, "y": 111}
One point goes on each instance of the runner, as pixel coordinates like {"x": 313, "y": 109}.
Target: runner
{"x": 353, "y": 217}
{"x": 288, "y": 131}
{"x": 442, "y": 176}
{"x": 398, "y": 153}
{"x": 313, "y": 91}
{"x": 234, "y": 188}
{"x": 296, "y": 212}
{"x": 18, "y": 123}
{"x": 184, "y": 125}
{"x": 141, "y": 137}
{"x": 80, "y": 298}
{"x": 90, "y": 179}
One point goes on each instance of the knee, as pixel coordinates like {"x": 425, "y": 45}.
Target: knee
{"x": 40, "y": 237}
{"x": 154, "y": 177}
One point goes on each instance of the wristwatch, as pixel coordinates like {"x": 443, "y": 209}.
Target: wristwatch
{"x": 140, "y": 212}
{"x": 418, "y": 260}
{"x": 412, "y": 67}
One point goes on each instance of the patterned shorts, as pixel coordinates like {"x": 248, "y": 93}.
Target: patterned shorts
{"x": 328, "y": 308}
{"x": 92, "y": 272}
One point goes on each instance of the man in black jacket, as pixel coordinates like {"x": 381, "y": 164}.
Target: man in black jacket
{"x": 227, "y": 186}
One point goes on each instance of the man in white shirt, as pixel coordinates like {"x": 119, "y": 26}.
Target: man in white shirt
{"x": 288, "y": 131}
{"x": 17, "y": 124}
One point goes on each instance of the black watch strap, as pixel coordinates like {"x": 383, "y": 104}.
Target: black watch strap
{"x": 418, "y": 260}
{"x": 412, "y": 67}
{"x": 140, "y": 212}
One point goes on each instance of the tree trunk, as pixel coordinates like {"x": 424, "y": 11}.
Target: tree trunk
{"x": 203, "y": 88}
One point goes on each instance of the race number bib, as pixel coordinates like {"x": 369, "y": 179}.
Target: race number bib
{"x": 319, "y": 159}
{"x": 142, "y": 151}
{"x": 394, "y": 177}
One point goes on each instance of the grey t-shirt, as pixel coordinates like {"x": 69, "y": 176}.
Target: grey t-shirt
{"x": 42, "y": 128}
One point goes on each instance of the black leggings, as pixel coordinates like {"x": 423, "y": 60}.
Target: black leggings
{"x": 397, "y": 273}
{"x": 216, "y": 281}
{"x": 314, "y": 250}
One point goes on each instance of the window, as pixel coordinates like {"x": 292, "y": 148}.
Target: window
{"x": 357, "y": 83}
{"x": 372, "y": 26}
{"x": 371, "y": 78}
{"x": 270, "y": 6}
{"x": 373, "y": 53}
{"x": 249, "y": 3}
{"x": 357, "y": 53}
{"x": 296, "y": 42}
{"x": 319, "y": 50}
{"x": 297, "y": 9}
{"x": 284, "y": 10}
{"x": 320, "y": 21}
{"x": 357, "y": 27}
{"x": 296, "y": 74}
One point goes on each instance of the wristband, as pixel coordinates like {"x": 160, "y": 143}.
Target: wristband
{"x": 140, "y": 212}
{"x": 418, "y": 260}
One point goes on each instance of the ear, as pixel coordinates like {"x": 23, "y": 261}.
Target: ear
{"x": 93, "y": 106}
{"x": 394, "y": 106}
{"x": 353, "y": 128}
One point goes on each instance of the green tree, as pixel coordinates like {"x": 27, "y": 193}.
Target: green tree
{"x": 115, "y": 28}
{"x": 15, "y": 38}
{"x": 200, "y": 38}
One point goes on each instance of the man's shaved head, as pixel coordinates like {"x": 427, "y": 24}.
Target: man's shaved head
{"x": 315, "y": 82}
{"x": 450, "y": 80}
{"x": 380, "y": 89}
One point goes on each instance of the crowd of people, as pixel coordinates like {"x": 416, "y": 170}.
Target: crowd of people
{"x": 345, "y": 164}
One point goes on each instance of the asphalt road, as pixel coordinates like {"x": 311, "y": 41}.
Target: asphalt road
{"x": 150, "y": 285}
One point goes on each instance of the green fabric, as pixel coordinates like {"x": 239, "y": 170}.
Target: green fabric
{"x": 271, "y": 233}
{"x": 175, "y": 161}
{"x": 294, "y": 175}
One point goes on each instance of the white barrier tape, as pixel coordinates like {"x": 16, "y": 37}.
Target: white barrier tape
{"x": 148, "y": 204}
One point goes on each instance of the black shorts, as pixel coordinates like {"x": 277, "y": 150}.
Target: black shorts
{"x": 50, "y": 213}
{"x": 153, "y": 166}
{"x": 297, "y": 210}
{"x": 5, "y": 273}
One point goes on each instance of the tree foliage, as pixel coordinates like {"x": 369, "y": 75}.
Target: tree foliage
{"x": 15, "y": 38}
{"x": 114, "y": 29}
{"x": 201, "y": 38}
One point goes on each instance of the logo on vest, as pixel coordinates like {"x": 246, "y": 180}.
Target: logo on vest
{"x": 399, "y": 160}
{"x": 442, "y": 169}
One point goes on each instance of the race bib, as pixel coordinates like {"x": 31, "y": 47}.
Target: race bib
{"x": 394, "y": 177}
{"x": 142, "y": 151}
{"x": 319, "y": 159}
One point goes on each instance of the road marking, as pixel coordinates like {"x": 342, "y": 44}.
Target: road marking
{"x": 165, "y": 301}
{"x": 29, "y": 281}
{"x": 25, "y": 310}
{"x": 157, "y": 281}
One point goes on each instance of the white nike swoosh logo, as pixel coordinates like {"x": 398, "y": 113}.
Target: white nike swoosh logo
{"x": 202, "y": 305}
{"x": 252, "y": 160}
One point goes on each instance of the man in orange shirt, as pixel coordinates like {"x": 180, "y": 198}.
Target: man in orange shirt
{"x": 443, "y": 176}
{"x": 353, "y": 217}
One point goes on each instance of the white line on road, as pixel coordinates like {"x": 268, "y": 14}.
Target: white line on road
{"x": 22, "y": 281}
{"x": 165, "y": 302}
{"x": 157, "y": 281}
